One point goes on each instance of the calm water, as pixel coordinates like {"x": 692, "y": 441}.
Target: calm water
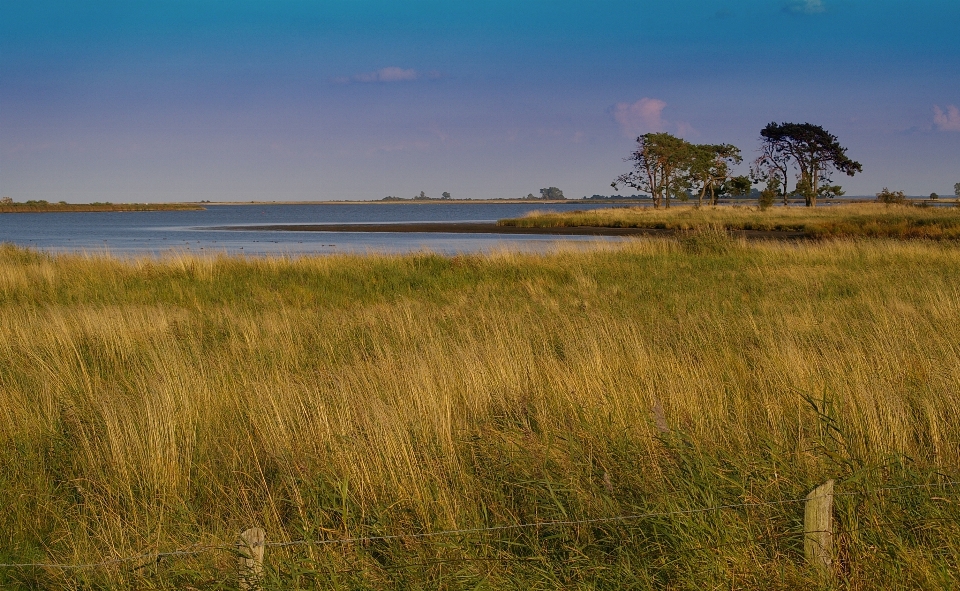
{"x": 159, "y": 232}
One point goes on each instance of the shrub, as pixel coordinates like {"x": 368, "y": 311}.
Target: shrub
{"x": 767, "y": 197}
{"x": 887, "y": 196}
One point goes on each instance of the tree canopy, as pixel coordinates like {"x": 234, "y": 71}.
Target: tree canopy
{"x": 661, "y": 167}
{"x": 666, "y": 166}
{"x": 813, "y": 150}
{"x": 551, "y": 193}
{"x": 709, "y": 169}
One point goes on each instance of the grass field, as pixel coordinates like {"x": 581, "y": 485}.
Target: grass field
{"x": 151, "y": 405}
{"x": 45, "y": 207}
{"x": 836, "y": 221}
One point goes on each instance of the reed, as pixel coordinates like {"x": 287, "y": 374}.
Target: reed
{"x": 152, "y": 404}
{"x": 860, "y": 220}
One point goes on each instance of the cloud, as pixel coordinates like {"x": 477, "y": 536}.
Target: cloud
{"x": 949, "y": 121}
{"x": 685, "y": 130}
{"x": 643, "y": 116}
{"x": 805, "y": 7}
{"x": 646, "y": 116}
{"x": 390, "y": 74}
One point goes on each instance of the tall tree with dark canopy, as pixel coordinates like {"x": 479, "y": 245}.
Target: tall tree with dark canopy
{"x": 816, "y": 153}
{"x": 661, "y": 164}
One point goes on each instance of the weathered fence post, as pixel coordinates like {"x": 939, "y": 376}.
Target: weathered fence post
{"x": 251, "y": 558}
{"x": 818, "y": 527}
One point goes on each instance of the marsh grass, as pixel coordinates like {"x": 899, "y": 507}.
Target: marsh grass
{"x": 149, "y": 405}
{"x": 836, "y": 221}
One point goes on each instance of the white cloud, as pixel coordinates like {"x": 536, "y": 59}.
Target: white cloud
{"x": 949, "y": 121}
{"x": 643, "y": 116}
{"x": 805, "y": 7}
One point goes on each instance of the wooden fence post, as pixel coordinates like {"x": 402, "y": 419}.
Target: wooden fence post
{"x": 251, "y": 558}
{"x": 818, "y": 527}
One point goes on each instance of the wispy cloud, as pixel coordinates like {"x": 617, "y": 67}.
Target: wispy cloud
{"x": 947, "y": 121}
{"x": 643, "y": 116}
{"x": 805, "y": 7}
{"x": 389, "y": 74}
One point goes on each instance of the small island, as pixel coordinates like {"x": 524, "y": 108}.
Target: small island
{"x": 8, "y": 205}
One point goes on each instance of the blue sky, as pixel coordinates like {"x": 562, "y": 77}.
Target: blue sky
{"x": 283, "y": 100}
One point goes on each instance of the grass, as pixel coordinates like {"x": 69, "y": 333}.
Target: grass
{"x": 836, "y": 221}
{"x": 150, "y": 405}
{"x": 45, "y": 207}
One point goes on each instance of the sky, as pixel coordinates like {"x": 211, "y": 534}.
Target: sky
{"x": 282, "y": 100}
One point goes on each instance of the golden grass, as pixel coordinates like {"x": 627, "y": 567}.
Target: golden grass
{"x": 835, "y": 221}
{"x": 148, "y": 405}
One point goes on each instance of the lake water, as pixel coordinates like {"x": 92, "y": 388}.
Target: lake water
{"x": 160, "y": 232}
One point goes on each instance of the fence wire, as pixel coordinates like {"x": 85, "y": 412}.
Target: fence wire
{"x": 154, "y": 557}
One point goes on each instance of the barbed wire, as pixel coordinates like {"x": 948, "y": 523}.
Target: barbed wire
{"x": 153, "y": 557}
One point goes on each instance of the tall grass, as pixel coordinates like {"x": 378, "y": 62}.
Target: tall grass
{"x": 153, "y": 404}
{"x": 837, "y": 221}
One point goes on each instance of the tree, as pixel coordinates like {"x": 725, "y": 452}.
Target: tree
{"x": 661, "y": 167}
{"x": 773, "y": 168}
{"x": 421, "y": 197}
{"x": 552, "y": 193}
{"x": 814, "y": 151}
{"x": 709, "y": 168}
{"x": 445, "y": 195}
{"x": 956, "y": 190}
{"x": 934, "y": 196}
{"x": 738, "y": 186}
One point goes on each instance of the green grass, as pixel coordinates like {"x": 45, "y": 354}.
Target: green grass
{"x": 835, "y": 221}
{"x": 148, "y": 405}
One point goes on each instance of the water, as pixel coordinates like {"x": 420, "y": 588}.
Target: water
{"x": 160, "y": 232}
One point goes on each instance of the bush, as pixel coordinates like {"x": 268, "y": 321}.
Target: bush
{"x": 891, "y": 197}
{"x": 767, "y": 197}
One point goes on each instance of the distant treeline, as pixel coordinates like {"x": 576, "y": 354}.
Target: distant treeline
{"x": 617, "y": 197}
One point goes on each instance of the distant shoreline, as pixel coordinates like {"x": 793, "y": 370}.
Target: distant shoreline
{"x": 425, "y": 202}
{"x": 494, "y": 228}
{"x": 97, "y": 207}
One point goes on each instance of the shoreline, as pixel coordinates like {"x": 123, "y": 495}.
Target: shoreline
{"x": 493, "y": 228}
